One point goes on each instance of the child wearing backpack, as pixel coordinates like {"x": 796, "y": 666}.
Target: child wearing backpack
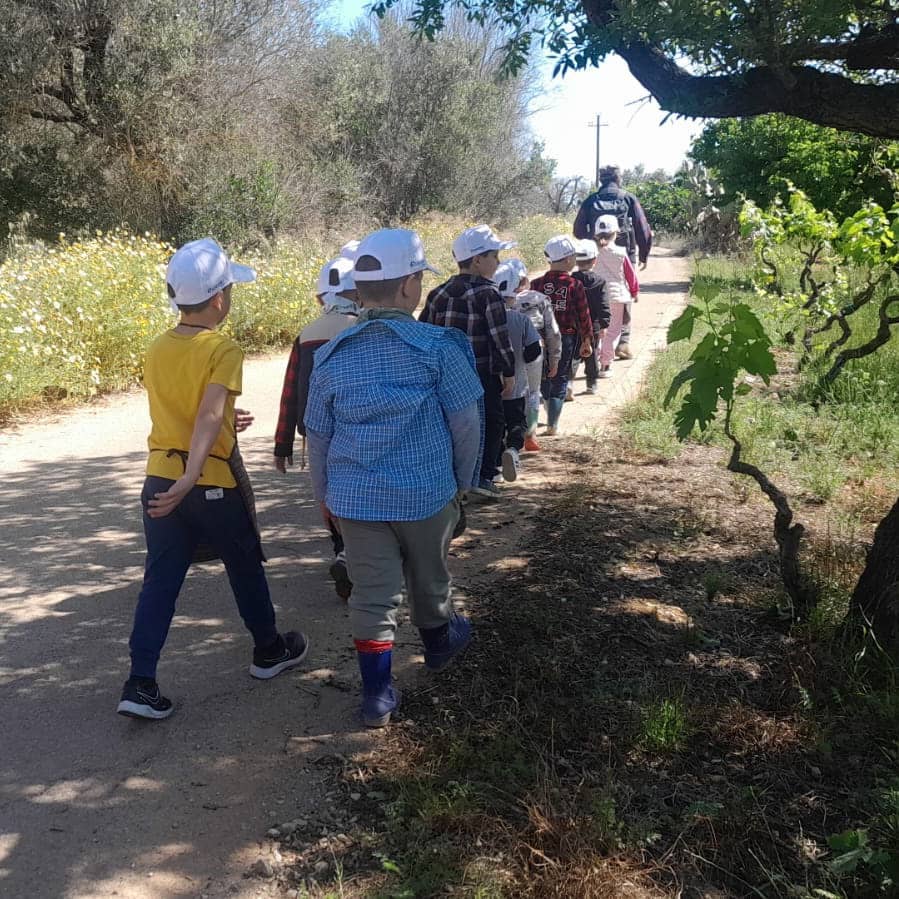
{"x": 527, "y": 351}
{"x": 615, "y": 268}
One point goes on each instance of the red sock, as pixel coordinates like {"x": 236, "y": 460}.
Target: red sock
{"x": 373, "y": 646}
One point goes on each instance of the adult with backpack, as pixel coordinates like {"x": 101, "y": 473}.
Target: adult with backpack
{"x": 634, "y": 233}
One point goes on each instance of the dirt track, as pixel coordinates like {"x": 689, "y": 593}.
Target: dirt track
{"x": 92, "y": 804}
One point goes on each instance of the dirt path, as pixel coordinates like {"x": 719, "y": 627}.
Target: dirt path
{"x": 92, "y": 804}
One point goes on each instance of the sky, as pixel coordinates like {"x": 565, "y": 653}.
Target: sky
{"x": 633, "y": 132}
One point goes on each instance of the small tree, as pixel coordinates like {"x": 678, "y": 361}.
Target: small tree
{"x": 566, "y": 193}
{"x": 736, "y": 344}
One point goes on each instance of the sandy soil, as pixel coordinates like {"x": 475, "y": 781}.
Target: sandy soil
{"x": 92, "y": 804}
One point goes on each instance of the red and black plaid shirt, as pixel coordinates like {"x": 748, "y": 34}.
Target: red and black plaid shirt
{"x": 473, "y": 305}
{"x": 569, "y": 302}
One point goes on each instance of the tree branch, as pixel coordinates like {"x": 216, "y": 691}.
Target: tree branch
{"x": 52, "y": 117}
{"x": 801, "y": 91}
{"x": 874, "y": 344}
{"x": 787, "y": 535}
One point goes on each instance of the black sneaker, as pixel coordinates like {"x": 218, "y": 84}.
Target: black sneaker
{"x": 343, "y": 586}
{"x": 141, "y": 699}
{"x": 288, "y": 651}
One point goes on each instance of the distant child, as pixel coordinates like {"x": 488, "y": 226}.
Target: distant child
{"x": 394, "y": 430}
{"x": 594, "y": 287}
{"x": 469, "y": 301}
{"x": 526, "y": 346}
{"x": 572, "y": 316}
{"x": 615, "y": 268}
{"x": 539, "y": 310}
{"x": 192, "y": 376}
{"x": 336, "y": 294}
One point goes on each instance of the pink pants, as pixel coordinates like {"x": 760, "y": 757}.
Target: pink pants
{"x": 613, "y": 332}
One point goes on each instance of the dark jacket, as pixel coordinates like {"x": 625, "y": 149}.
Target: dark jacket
{"x": 611, "y": 199}
{"x": 595, "y": 288}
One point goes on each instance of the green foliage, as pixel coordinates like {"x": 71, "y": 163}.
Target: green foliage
{"x": 735, "y": 342}
{"x": 854, "y": 854}
{"x": 664, "y": 725}
{"x": 670, "y": 205}
{"x": 837, "y": 170}
{"x": 251, "y": 120}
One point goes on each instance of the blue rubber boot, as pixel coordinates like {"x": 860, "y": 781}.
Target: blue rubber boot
{"x": 379, "y": 699}
{"x": 444, "y": 643}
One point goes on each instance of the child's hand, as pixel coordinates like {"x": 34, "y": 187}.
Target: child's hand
{"x": 553, "y": 371}
{"x": 281, "y": 463}
{"x": 586, "y": 349}
{"x": 165, "y": 503}
{"x": 242, "y": 420}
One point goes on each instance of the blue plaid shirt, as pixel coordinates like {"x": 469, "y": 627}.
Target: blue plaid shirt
{"x": 379, "y": 398}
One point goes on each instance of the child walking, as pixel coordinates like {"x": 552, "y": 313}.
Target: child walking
{"x": 539, "y": 310}
{"x": 394, "y": 430}
{"x": 192, "y": 376}
{"x": 336, "y": 294}
{"x": 469, "y": 301}
{"x": 526, "y": 348}
{"x": 615, "y": 268}
{"x": 572, "y": 314}
{"x": 598, "y": 302}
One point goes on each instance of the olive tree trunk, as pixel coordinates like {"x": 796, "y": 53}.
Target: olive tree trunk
{"x": 875, "y": 601}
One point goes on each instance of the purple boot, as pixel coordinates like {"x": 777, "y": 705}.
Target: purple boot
{"x": 379, "y": 699}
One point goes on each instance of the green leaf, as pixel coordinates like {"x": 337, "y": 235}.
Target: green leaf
{"x": 853, "y": 849}
{"x": 682, "y": 327}
{"x": 758, "y": 360}
{"x": 677, "y": 382}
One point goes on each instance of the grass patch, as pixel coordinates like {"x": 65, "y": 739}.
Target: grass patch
{"x": 664, "y": 726}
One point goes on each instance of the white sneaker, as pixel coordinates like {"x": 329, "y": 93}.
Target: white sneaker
{"x": 510, "y": 465}
{"x": 605, "y": 371}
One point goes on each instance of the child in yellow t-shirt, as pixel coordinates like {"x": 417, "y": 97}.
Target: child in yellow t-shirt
{"x": 193, "y": 375}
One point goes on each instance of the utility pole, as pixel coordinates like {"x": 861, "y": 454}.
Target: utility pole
{"x": 597, "y": 125}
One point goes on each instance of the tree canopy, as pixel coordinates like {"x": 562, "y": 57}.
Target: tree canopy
{"x": 832, "y": 62}
{"x": 838, "y": 170}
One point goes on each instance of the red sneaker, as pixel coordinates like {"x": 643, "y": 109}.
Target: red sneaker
{"x": 531, "y": 445}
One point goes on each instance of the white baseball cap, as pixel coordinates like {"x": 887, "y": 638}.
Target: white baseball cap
{"x": 336, "y": 276}
{"x": 348, "y": 250}
{"x": 399, "y": 252}
{"x": 477, "y": 240}
{"x": 586, "y": 249}
{"x": 507, "y": 278}
{"x": 606, "y": 224}
{"x": 560, "y": 247}
{"x": 519, "y": 266}
{"x": 199, "y": 270}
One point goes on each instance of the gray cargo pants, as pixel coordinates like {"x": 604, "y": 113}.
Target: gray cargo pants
{"x": 383, "y": 557}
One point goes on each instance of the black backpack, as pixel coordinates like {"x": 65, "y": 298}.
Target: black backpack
{"x": 615, "y": 204}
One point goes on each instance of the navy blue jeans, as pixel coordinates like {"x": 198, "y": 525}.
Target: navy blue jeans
{"x": 216, "y": 516}
{"x": 554, "y": 388}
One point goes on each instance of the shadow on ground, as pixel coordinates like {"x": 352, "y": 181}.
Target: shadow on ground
{"x": 92, "y": 803}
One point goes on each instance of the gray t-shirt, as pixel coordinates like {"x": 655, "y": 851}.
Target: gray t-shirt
{"x": 521, "y": 334}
